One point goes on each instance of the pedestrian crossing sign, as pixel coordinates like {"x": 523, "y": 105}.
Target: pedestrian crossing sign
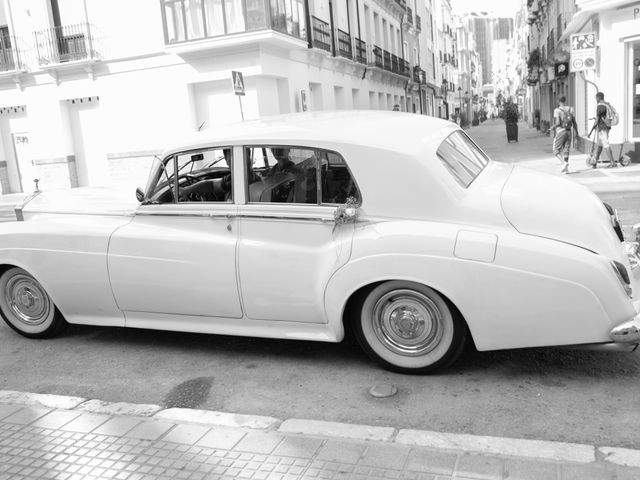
{"x": 238, "y": 83}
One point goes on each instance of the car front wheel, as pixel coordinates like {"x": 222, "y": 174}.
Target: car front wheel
{"x": 26, "y": 307}
{"x": 410, "y": 328}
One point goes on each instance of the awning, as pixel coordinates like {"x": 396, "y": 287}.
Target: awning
{"x": 587, "y": 10}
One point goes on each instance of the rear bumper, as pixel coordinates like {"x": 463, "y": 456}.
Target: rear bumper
{"x": 627, "y": 332}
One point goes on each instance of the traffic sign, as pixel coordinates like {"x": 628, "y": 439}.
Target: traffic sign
{"x": 238, "y": 83}
{"x": 583, "y": 51}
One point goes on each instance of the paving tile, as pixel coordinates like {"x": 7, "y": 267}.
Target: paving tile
{"x": 85, "y": 423}
{"x": 186, "y": 434}
{"x": 6, "y": 410}
{"x": 628, "y": 473}
{"x": 341, "y": 451}
{"x": 385, "y": 456}
{"x": 149, "y": 430}
{"x": 531, "y": 470}
{"x": 431, "y": 461}
{"x": 299, "y": 447}
{"x": 259, "y": 442}
{"x": 221, "y": 438}
{"x": 117, "y": 426}
{"x": 56, "y": 419}
{"x": 27, "y": 415}
{"x": 482, "y": 467}
{"x": 588, "y": 471}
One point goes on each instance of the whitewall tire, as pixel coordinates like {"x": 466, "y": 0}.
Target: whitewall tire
{"x": 26, "y": 307}
{"x": 409, "y": 328}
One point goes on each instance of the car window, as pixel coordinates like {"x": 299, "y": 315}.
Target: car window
{"x": 462, "y": 158}
{"x": 290, "y": 175}
{"x": 198, "y": 176}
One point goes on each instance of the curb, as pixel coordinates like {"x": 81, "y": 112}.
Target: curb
{"x": 471, "y": 444}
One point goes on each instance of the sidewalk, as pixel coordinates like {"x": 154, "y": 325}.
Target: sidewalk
{"x": 534, "y": 150}
{"x": 59, "y": 437}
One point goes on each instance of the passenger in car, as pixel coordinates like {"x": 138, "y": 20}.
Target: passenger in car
{"x": 284, "y": 164}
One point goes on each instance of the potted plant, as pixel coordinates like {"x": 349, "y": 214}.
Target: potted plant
{"x": 510, "y": 115}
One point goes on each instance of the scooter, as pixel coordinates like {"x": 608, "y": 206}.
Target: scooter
{"x": 623, "y": 160}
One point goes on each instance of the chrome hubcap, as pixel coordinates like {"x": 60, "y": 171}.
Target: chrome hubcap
{"x": 407, "y": 322}
{"x": 27, "y": 300}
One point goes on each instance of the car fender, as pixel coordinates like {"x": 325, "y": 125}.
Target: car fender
{"x": 535, "y": 292}
{"x": 67, "y": 254}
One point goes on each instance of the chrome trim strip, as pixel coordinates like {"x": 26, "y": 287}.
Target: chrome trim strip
{"x": 287, "y": 217}
{"x": 186, "y": 214}
{"x": 603, "y": 347}
{"x": 230, "y": 216}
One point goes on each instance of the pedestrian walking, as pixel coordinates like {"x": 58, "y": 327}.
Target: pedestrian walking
{"x": 606, "y": 117}
{"x": 564, "y": 123}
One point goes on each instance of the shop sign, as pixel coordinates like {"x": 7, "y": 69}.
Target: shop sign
{"x": 583, "y": 51}
{"x": 561, "y": 69}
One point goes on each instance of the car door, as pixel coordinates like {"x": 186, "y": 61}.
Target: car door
{"x": 290, "y": 243}
{"x": 178, "y": 254}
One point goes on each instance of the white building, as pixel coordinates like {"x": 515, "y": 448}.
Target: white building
{"x": 88, "y": 94}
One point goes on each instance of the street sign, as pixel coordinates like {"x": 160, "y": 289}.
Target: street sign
{"x": 238, "y": 83}
{"x": 583, "y": 51}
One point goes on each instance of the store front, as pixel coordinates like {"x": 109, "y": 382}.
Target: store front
{"x": 616, "y": 24}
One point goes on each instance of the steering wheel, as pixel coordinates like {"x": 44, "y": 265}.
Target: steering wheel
{"x": 202, "y": 197}
{"x": 191, "y": 179}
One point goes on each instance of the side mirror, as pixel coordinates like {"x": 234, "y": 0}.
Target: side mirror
{"x": 139, "y": 194}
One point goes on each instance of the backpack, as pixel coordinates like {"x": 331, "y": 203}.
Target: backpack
{"x": 567, "y": 119}
{"x": 612, "y": 118}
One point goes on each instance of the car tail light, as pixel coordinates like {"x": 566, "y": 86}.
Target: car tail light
{"x": 623, "y": 276}
{"x": 615, "y": 221}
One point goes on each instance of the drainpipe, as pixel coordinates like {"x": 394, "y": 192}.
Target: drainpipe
{"x": 331, "y": 26}
{"x": 358, "y": 17}
{"x": 308, "y": 20}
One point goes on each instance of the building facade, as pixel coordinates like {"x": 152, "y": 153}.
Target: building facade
{"x": 88, "y": 96}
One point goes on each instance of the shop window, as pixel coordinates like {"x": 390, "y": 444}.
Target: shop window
{"x": 635, "y": 90}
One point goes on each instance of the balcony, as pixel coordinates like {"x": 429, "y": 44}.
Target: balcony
{"x": 189, "y": 22}
{"x": 409, "y": 16}
{"x": 386, "y": 59}
{"x": 66, "y": 44}
{"x": 10, "y": 58}
{"x": 344, "y": 44}
{"x": 405, "y": 68}
{"x": 418, "y": 23}
{"x": 320, "y": 34}
{"x": 360, "y": 50}
{"x": 376, "y": 57}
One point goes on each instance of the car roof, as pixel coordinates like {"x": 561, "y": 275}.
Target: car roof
{"x": 397, "y": 131}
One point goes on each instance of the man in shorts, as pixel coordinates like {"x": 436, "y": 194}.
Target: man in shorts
{"x": 603, "y": 126}
{"x": 565, "y": 124}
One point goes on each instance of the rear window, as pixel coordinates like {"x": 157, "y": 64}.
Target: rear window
{"x": 462, "y": 157}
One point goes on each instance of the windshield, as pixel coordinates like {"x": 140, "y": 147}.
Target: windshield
{"x": 462, "y": 158}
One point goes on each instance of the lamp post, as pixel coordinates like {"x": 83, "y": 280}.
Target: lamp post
{"x": 460, "y": 103}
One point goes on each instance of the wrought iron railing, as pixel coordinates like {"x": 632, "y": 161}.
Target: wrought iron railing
{"x": 9, "y": 54}
{"x": 419, "y": 75}
{"x": 405, "y": 68}
{"x": 395, "y": 64}
{"x": 360, "y": 50}
{"x": 66, "y": 43}
{"x": 321, "y": 34}
{"x": 376, "y": 57}
{"x": 386, "y": 58}
{"x": 409, "y": 16}
{"x": 418, "y": 23}
{"x": 344, "y": 44}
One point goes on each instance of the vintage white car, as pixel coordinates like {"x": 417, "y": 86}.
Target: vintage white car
{"x": 395, "y": 225}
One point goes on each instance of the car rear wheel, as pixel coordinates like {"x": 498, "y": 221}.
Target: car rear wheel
{"x": 410, "y": 328}
{"x": 26, "y": 306}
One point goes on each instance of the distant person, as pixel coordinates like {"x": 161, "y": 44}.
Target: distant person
{"x": 606, "y": 117}
{"x": 396, "y": 108}
{"x": 564, "y": 123}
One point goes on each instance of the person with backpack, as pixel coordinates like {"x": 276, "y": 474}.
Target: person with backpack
{"x": 564, "y": 122}
{"x": 606, "y": 117}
